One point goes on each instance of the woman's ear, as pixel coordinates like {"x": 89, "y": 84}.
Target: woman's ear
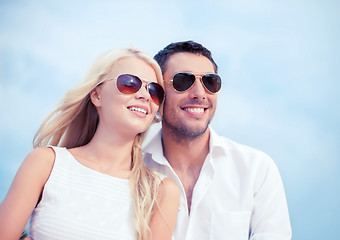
{"x": 95, "y": 97}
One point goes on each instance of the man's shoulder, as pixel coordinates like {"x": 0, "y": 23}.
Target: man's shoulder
{"x": 239, "y": 152}
{"x": 233, "y": 145}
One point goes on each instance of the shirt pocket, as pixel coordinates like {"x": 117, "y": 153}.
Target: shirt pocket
{"x": 230, "y": 225}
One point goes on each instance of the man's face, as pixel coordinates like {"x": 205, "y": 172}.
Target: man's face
{"x": 188, "y": 114}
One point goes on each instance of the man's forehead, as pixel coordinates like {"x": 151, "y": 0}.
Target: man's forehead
{"x": 188, "y": 62}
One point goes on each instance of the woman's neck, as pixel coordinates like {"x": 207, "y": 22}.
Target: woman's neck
{"x": 108, "y": 153}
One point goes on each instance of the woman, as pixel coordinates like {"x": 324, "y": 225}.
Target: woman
{"x": 94, "y": 185}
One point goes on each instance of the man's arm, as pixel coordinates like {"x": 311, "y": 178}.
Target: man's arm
{"x": 270, "y": 220}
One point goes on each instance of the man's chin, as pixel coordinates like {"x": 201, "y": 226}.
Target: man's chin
{"x": 195, "y": 128}
{"x": 185, "y": 129}
{"x": 185, "y": 132}
{"x": 193, "y": 133}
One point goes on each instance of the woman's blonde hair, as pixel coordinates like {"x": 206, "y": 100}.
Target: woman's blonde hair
{"x": 75, "y": 121}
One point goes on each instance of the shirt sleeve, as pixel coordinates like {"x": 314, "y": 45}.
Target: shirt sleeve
{"x": 270, "y": 220}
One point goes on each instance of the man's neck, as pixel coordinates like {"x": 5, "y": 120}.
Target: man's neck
{"x": 187, "y": 151}
{"x": 186, "y": 157}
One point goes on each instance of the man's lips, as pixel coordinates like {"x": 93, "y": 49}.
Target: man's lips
{"x": 195, "y": 110}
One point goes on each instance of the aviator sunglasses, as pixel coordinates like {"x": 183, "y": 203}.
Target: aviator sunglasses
{"x": 129, "y": 84}
{"x": 183, "y": 81}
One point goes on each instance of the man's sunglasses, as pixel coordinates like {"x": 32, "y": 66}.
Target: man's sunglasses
{"x": 183, "y": 81}
{"x": 129, "y": 84}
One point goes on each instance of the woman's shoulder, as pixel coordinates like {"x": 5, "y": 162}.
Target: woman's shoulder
{"x": 43, "y": 156}
{"x": 169, "y": 188}
{"x": 42, "y": 152}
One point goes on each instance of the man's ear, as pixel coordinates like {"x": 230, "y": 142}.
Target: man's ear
{"x": 95, "y": 97}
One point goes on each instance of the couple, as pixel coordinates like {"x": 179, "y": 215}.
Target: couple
{"x": 87, "y": 179}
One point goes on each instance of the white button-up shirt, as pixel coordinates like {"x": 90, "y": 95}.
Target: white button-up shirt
{"x": 239, "y": 194}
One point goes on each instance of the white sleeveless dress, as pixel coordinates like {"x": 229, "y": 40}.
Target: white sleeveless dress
{"x": 81, "y": 203}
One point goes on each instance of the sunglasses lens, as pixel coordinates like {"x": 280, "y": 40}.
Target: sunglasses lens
{"x": 128, "y": 84}
{"x": 156, "y": 92}
{"x": 183, "y": 81}
{"x": 212, "y": 82}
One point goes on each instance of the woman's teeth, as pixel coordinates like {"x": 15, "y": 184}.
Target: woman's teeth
{"x": 138, "y": 110}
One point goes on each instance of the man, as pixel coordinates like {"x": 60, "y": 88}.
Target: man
{"x": 228, "y": 190}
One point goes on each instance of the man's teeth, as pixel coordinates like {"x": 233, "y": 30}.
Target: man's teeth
{"x": 138, "y": 110}
{"x": 194, "y": 110}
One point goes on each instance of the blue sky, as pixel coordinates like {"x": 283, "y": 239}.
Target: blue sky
{"x": 279, "y": 61}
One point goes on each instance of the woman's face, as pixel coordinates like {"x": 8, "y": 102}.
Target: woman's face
{"x": 126, "y": 113}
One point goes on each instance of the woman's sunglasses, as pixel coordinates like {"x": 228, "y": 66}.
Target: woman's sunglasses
{"x": 183, "y": 81}
{"x": 129, "y": 84}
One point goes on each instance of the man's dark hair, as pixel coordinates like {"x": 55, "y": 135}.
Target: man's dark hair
{"x": 187, "y": 47}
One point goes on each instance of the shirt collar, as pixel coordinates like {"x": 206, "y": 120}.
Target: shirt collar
{"x": 217, "y": 144}
{"x": 154, "y": 146}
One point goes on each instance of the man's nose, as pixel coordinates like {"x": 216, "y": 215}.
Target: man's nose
{"x": 197, "y": 91}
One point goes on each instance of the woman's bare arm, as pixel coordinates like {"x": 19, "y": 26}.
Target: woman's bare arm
{"x": 23, "y": 195}
{"x": 164, "y": 218}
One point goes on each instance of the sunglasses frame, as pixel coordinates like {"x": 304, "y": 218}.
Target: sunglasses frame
{"x": 143, "y": 81}
{"x": 196, "y": 76}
